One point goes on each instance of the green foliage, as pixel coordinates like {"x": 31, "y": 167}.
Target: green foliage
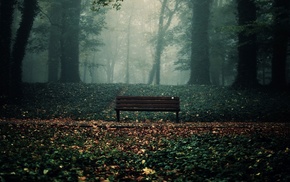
{"x": 58, "y": 151}
{"x": 220, "y": 159}
{"x": 98, "y": 4}
{"x": 92, "y": 24}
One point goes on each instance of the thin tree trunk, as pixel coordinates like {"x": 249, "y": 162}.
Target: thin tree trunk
{"x": 152, "y": 74}
{"x": 86, "y": 67}
{"x": 159, "y": 45}
{"x": 162, "y": 28}
{"x": 155, "y": 71}
{"x": 128, "y": 50}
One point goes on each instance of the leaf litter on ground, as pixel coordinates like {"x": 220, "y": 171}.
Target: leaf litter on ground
{"x": 65, "y": 132}
{"x": 70, "y": 150}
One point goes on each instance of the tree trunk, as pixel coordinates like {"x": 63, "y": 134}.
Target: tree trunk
{"x": 128, "y": 50}
{"x": 159, "y": 50}
{"x": 162, "y": 28}
{"x": 6, "y": 19}
{"x": 199, "y": 65}
{"x": 280, "y": 43}
{"x": 247, "y": 47}
{"x": 110, "y": 67}
{"x": 152, "y": 74}
{"x": 70, "y": 41}
{"x": 155, "y": 71}
{"x": 18, "y": 51}
{"x": 54, "y": 42}
{"x": 86, "y": 67}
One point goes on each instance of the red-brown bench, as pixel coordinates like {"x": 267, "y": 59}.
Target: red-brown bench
{"x": 146, "y": 103}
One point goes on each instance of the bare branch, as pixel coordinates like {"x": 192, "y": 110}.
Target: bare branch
{"x": 49, "y": 19}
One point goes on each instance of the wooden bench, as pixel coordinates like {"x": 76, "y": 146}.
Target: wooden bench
{"x": 145, "y": 103}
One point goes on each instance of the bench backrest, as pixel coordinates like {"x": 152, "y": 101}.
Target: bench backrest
{"x": 147, "y": 103}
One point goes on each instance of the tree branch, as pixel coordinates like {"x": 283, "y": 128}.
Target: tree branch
{"x": 49, "y": 19}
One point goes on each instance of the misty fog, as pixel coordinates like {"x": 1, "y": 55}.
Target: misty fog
{"x": 154, "y": 42}
{"x": 126, "y": 37}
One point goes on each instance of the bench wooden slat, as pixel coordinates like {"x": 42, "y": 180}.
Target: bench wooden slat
{"x": 145, "y": 98}
{"x": 147, "y": 103}
{"x": 147, "y": 109}
{"x": 174, "y": 106}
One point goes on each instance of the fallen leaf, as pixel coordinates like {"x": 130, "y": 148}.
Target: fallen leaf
{"x": 148, "y": 171}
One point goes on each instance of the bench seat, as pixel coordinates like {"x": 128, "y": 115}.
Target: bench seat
{"x": 146, "y": 103}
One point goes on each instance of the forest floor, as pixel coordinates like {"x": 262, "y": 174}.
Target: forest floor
{"x": 198, "y": 103}
{"x": 183, "y": 129}
{"x": 68, "y": 133}
{"x": 70, "y": 150}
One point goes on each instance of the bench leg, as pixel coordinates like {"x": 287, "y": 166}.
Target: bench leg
{"x": 118, "y": 115}
{"x": 177, "y": 118}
